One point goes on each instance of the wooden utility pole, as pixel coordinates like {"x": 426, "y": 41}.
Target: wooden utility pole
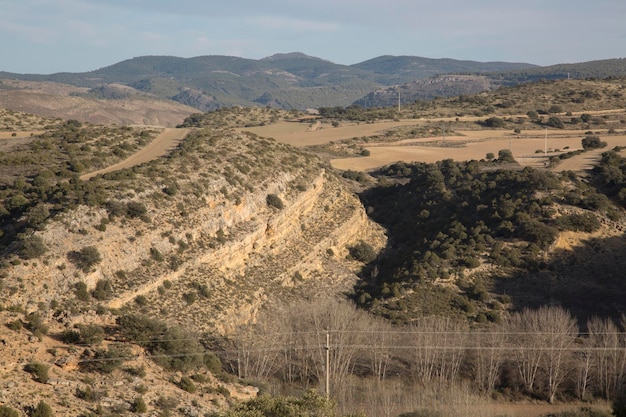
{"x": 327, "y": 365}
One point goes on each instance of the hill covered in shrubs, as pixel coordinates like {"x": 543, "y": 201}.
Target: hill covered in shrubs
{"x": 461, "y": 233}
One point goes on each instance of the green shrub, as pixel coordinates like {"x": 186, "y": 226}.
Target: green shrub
{"x": 362, "y": 252}
{"x": 103, "y": 290}
{"x": 42, "y": 410}
{"x": 15, "y": 325}
{"x": 135, "y": 209}
{"x": 89, "y": 394}
{"x": 141, "y": 300}
{"x": 274, "y": 201}
{"x": 6, "y": 411}
{"x": 177, "y": 350}
{"x": 478, "y": 292}
{"x": 200, "y": 378}
{"x": 36, "y": 324}
{"x": 86, "y": 258}
{"x": 505, "y": 156}
{"x": 586, "y": 222}
{"x": 311, "y": 404}
{"x": 189, "y": 298}
{"x": 106, "y": 361}
{"x": 593, "y": 142}
{"x": 38, "y": 370}
{"x": 186, "y": 384}
{"x": 140, "y": 329}
{"x": 358, "y": 176}
{"x": 32, "y": 247}
{"x": 156, "y": 254}
{"x": 70, "y": 336}
{"x": 139, "y": 371}
{"x": 494, "y": 122}
{"x": 556, "y": 122}
{"x": 172, "y": 348}
{"x": 80, "y": 291}
{"x": 166, "y": 403}
{"x": 116, "y": 208}
{"x": 37, "y": 216}
{"x": 138, "y": 405}
{"x": 91, "y": 334}
{"x": 212, "y": 363}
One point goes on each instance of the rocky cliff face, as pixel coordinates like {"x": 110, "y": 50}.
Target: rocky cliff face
{"x": 227, "y": 225}
{"x": 210, "y": 257}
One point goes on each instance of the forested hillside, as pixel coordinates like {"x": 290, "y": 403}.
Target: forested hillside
{"x": 488, "y": 230}
{"x": 298, "y": 81}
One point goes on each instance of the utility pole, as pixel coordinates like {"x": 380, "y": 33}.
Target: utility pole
{"x": 545, "y": 144}
{"x": 327, "y": 347}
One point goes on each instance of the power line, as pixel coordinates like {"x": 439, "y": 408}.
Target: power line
{"x": 326, "y": 348}
{"x": 320, "y": 335}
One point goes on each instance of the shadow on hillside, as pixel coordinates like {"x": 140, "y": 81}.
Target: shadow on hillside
{"x": 587, "y": 280}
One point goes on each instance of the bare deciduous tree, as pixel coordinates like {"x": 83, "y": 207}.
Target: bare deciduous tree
{"x": 541, "y": 340}
{"x": 583, "y": 361}
{"x": 558, "y": 330}
{"x": 486, "y": 356}
{"x": 609, "y": 356}
{"x": 438, "y": 348}
{"x": 526, "y": 346}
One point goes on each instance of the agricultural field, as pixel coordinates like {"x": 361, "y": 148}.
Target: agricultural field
{"x": 527, "y": 146}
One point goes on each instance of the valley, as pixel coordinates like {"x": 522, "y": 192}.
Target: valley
{"x": 206, "y": 263}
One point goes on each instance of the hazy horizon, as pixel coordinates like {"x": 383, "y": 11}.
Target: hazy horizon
{"x": 44, "y": 37}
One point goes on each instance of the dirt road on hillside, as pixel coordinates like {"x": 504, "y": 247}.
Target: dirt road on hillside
{"x": 160, "y": 146}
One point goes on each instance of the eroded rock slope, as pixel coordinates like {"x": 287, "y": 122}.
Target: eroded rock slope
{"x": 227, "y": 224}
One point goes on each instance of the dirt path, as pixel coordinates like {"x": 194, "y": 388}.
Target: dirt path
{"x": 20, "y": 134}
{"x": 160, "y": 146}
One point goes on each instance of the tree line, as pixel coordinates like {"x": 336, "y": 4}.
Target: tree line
{"x": 541, "y": 353}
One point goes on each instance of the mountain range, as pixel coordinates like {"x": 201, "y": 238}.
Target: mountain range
{"x": 299, "y": 81}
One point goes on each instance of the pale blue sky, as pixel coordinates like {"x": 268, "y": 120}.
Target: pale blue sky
{"x": 47, "y": 36}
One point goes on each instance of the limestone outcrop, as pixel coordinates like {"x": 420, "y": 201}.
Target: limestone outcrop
{"x": 211, "y": 263}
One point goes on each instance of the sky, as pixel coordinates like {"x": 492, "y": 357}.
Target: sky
{"x": 49, "y": 36}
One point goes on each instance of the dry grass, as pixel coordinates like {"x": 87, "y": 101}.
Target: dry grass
{"x": 308, "y": 134}
{"x": 529, "y": 409}
{"x": 477, "y": 144}
{"x": 51, "y": 100}
{"x": 469, "y": 141}
{"x": 160, "y": 146}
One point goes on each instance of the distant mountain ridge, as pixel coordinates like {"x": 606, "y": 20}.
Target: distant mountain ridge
{"x": 296, "y": 80}
{"x": 408, "y": 68}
